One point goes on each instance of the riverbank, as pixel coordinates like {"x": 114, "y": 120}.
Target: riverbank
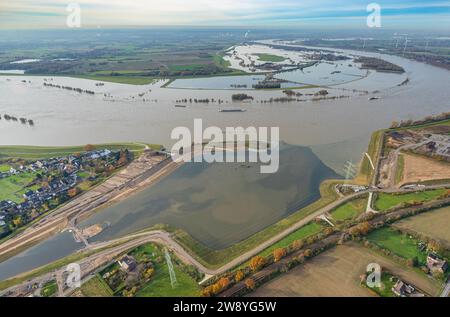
{"x": 144, "y": 171}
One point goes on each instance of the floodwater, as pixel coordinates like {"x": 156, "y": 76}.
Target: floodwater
{"x": 40, "y": 254}
{"x": 336, "y": 131}
{"x": 220, "y": 204}
{"x": 67, "y": 118}
{"x": 225, "y": 82}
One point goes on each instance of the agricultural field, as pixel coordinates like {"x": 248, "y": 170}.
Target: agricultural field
{"x": 434, "y": 224}
{"x": 398, "y": 243}
{"x": 337, "y": 272}
{"x": 350, "y": 210}
{"x": 386, "y": 201}
{"x": 96, "y": 287}
{"x": 133, "y": 58}
{"x": 416, "y": 168}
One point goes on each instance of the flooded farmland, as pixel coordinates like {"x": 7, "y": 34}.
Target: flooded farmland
{"x": 218, "y": 204}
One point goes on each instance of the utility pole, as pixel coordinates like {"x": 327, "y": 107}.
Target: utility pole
{"x": 173, "y": 278}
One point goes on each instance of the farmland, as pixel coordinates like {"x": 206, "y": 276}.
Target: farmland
{"x": 137, "y": 59}
{"x": 337, "y": 272}
{"x": 434, "y": 224}
{"x": 417, "y": 168}
{"x": 400, "y": 244}
{"x": 95, "y": 287}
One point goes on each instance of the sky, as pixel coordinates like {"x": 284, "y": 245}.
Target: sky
{"x": 414, "y": 14}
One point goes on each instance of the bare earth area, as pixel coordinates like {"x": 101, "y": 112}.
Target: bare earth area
{"x": 336, "y": 273}
{"x": 418, "y": 168}
{"x": 435, "y": 224}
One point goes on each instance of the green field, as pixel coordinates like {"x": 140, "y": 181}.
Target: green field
{"x": 96, "y": 287}
{"x": 270, "y": 58}
{"x": 131, "y": 80}
{"x": 38, "y": 152}
{"x": 400, "y": 244}
{"x": 220, "y": 62}
{"x": 4, "y": 168}
{"x": 49, "y": 289}
{"x": 350, "y": 210}
{"x": 386, "y": 201}
{"x": 160, "y": 286}
{"x": 13, "y": 187}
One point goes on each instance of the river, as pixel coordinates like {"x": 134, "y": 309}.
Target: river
{"x": 336, "y": 131}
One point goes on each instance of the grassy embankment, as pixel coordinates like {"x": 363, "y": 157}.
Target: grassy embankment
{"x": 45, "y": 152}
{"x": 386, "y": 201}
{"x": 350, "y": 210}
{"x": 400, "y": 168}
{"x": 366, "y": 172}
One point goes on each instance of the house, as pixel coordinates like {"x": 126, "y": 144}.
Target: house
{"x": 127, "y": 263}
{"x": 435, "y": 264}
{"x": 28, "y": 195}
{"x": 402, "y": 289}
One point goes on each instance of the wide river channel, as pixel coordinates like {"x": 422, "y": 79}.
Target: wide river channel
{"x": 218, "y": 204}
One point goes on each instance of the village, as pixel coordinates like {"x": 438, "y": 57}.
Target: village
{"x": 47, "y": 183}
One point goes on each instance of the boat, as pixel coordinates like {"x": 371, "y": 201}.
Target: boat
{"x": 180, "y": 106}
{"x": 374, "y": 98}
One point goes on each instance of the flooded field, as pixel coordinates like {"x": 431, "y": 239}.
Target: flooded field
{"x": 244, "y": 82}
{"x": 220, "y": 204}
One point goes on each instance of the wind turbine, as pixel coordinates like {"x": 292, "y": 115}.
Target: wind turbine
{"x": 406, "y": 45}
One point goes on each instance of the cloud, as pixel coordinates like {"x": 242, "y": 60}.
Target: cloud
{"x": 52, "y": 13}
